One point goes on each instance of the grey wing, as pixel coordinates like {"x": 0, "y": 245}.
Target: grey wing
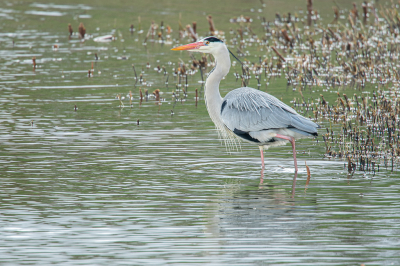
{"x": 250, "y": 110}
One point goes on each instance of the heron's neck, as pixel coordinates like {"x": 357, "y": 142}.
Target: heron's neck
{"x": 223, "y": 63}
{"x": 212, "y": 96}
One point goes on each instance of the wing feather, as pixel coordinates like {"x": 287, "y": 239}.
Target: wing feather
{"x": 251, "y": 110}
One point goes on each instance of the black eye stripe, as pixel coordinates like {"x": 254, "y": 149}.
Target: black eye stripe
{"x": 212, "y": 39}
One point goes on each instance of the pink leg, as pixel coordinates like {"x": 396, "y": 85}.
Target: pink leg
{"x": 262, "y": 156}
{"x": 291, "y": 139}
{"x": 294, "y": 184}
{"x": 262, "y": 176}
{"x": 262, "y": 164}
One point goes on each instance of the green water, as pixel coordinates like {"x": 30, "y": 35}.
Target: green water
{"x": 85, "y": 181}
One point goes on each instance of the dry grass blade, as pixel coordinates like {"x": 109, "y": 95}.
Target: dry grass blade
{"x": 280, "y": 56}
{"x": 82, "y": 31}
{"x": 70, "y": 30}
{"x": 308, "y": 174}
{"x": 308, "y": 177}
{"x": 211, "y": 23}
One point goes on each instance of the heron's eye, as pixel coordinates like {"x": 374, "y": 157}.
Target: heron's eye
{"x": 207, "y": 42}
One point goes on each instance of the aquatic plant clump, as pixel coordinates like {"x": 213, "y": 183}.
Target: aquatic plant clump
{"x": 356, "y": 51}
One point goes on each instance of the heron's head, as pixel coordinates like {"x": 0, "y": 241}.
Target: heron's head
{"x": 206, "y": 45}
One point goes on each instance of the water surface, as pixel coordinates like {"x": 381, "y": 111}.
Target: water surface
{"x": 86, "y": 181}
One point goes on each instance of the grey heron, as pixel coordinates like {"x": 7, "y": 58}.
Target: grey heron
{"x": 246, "y": 113}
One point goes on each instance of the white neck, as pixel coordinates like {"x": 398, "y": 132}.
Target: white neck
{"x": 212, "y": 96}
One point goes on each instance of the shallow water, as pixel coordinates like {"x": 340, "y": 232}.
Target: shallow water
{"x": 88, "y": 182}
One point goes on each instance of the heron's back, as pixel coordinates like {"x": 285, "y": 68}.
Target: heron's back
{"x": 258, "y": 114}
